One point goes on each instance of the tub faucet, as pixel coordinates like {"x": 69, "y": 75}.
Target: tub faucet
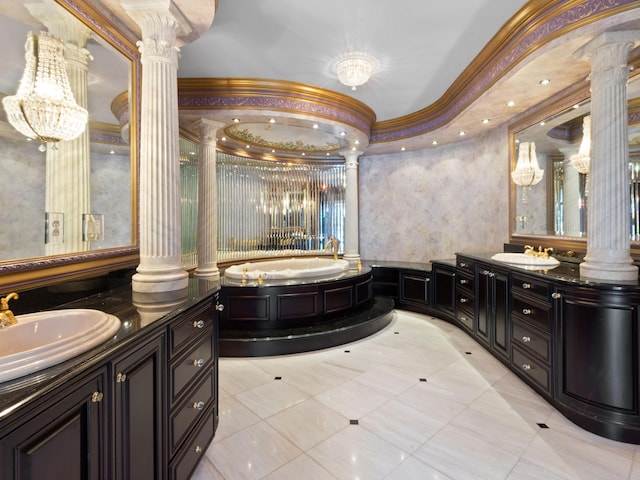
{"x": 7, "y": 318}
{"x": 333, "y": 243}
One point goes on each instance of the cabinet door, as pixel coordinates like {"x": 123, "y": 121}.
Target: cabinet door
{"x": 500, "y": 333}
{"x": 484, "y": 296}
{"x": 65, "y": 437}
{"x": 444, "y": 290}
{"x": 140, "y": 413}
{"x": 414, "y": 288}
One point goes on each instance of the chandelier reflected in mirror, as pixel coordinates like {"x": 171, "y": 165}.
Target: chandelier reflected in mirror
{"x": 527, "y": 172}
{"x": 44, "y": 107}
{"x": 580, "y": 161}
{"x": 355, "y": 68}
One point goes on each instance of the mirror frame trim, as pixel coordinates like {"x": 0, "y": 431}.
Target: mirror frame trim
{"x": 551, "y": 106}
{"x": 16, "y": 275}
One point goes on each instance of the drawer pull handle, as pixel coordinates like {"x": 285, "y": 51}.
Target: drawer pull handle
{"x": 463, "y": 281}
{"x": 198, "y": 363}
{"x": 198, "y": 405}
{"x": 464, "y": 319}
{"x": 198, "y": 324}
{"x": 219, "y": 307}
{"x": 121, "y": 377}
{"x": 464, "y": 300}
{"x": 463, "y": 265}
{"x": 198, "y": 449}
{"x": 556, "y": 295}
{"x": 526, "y": 366}
{"x": 526, "y": 311}
{"x": 526, "y": 339}
{"x": 526, "y": 285}
{"x": 96, "y": 397}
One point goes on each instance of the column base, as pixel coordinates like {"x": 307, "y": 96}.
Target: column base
{"x": 159, "y": 280}
{"x": 353, "y": 259}
{"x": 209, "y": 273}
{"x": 608, "y": 271}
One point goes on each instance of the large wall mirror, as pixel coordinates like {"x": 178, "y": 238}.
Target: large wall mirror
{"x": 69, "y": 206}
{"x": 553, "y": 212}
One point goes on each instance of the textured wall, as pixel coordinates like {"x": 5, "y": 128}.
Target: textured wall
{"x": 427, "y": 205}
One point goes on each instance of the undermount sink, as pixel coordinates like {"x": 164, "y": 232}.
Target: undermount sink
{"x": 40, "y": 340}
{"x": 522, "y": 259}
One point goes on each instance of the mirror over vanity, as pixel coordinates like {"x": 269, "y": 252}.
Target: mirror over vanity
{"x": 69, "y": 206}
{"x": 553, "y": 212}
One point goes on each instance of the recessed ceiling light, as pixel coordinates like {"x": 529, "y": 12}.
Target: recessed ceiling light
{"x": 273, "y": 151}
{"x": 236, "y": 120}
{"x": 462, "y": 133}
{"x": 272, "y": 120}
{"x": 315, "y": 125}
{"x": 112, "y": 152}
{"x": 343, "y": 133}
{"x": 247, "y": 146}
{"x": 303, "y": 154}
{"x": 224, "y": 139}
{"x": 485, "y": 120}
{"x": 542, "y": 123}
{"x": 435, "y": 142}
{"x": 357, "y": 142}
{"x": 402, "y": 149}
{"x": 511, "y": 103}
{"x": 327, "y": 154}
{"x": 545, "y": 81}
{"x": 577, "y": 105}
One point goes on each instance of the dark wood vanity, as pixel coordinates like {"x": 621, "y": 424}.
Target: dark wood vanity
{"x": 142, "y": 406}
{"x": 575, "y": 342}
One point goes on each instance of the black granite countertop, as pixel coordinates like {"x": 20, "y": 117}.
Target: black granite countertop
{"x": 422, "y": 267}
{"x": 139, "y": 313}
{"x": 566, "y": 273}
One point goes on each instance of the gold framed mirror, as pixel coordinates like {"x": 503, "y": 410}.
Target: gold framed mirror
{"x": 70, "y": 211}
{"x": 553, "y": 212}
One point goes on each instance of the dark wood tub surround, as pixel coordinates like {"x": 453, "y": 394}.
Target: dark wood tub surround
{"x": 574, "y": 341}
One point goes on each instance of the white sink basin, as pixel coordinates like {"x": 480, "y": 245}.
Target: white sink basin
{"x": 525, "y": 260}
{"x": 40, "y": 340}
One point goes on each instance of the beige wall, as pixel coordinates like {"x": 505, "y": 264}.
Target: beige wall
{"x": 430, "y": 204}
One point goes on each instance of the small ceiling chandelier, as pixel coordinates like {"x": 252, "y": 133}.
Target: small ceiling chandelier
{"x": 355, "y": 69}
{"x": 580, "y": 161}
{"x": 527, "y": 172}
{"x": 44, "y": 106}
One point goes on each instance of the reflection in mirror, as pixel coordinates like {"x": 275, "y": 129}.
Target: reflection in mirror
{"x": 557, "y": 205}
{"x": 76, "y": 196}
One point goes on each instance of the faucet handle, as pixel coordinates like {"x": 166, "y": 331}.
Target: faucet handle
{"x": 4, "y": 302}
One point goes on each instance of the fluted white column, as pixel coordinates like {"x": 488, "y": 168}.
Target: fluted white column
{"x": 207, "y": 240}
{"x": 160, "y": 267}
{"x": 68, "y": 163}
{"x": 351, "y": 222}
{"x": 608, "y": 245}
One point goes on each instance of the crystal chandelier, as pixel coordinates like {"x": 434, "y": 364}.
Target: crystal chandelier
{"x": 355, "y": 69}
{"x": 44, "y": 106}
{"x": 527, "y": 172}
{"x": 580, "y": 161}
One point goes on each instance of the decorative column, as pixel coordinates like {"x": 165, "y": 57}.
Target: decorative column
{"x": 160, "y": 267}
{"x": 68, "y": 163}
{"x": 608, "y": 245}
{"x": 351, "y": 239}
{"x": 207, "y": 240}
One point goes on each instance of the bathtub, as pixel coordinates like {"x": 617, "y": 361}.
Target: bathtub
{"x": 289, "y": 268}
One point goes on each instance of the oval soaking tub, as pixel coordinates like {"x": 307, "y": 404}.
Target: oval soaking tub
{"x": 284, "y": 269}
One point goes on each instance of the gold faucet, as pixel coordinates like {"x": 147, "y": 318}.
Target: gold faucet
{"x": 7, "y": 318}
{"x": 529, "y": 250}
{"x": 243, "y": 281}
{"x": 261, "y": 278}
{"x": 332, "y": 242}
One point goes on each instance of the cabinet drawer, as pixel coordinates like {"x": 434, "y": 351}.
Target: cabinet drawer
{"x": 533, "y": 370}
{"x": 526, "y": 285}
{"x": 187, "y": 367}
{"x": 532, "y": 312}
{"x": 531, "y": 340}
{"x": 464, "y": 315}
{"x": 182, "y": 465}
{"x": 181, "y": 333}
{"x": 465, "y": 281}
{"x": 188, "y": 413}
{"x": 465, "y": 265}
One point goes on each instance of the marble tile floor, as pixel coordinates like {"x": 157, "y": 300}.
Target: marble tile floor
{"x": 418, "y": 400}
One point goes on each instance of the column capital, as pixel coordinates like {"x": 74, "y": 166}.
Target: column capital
{"x": 630, "y": 37}
{"x": 351, "y": 157}
{"x": 208, "y": 129}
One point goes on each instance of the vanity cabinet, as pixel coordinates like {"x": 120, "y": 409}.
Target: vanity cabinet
{"x": 465, "y": 294}
{"x": 147, "y": 409}
{"x": 532, "y": 318}
{"x": 64, "y": 435}
{"x": 493, "y": 327}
